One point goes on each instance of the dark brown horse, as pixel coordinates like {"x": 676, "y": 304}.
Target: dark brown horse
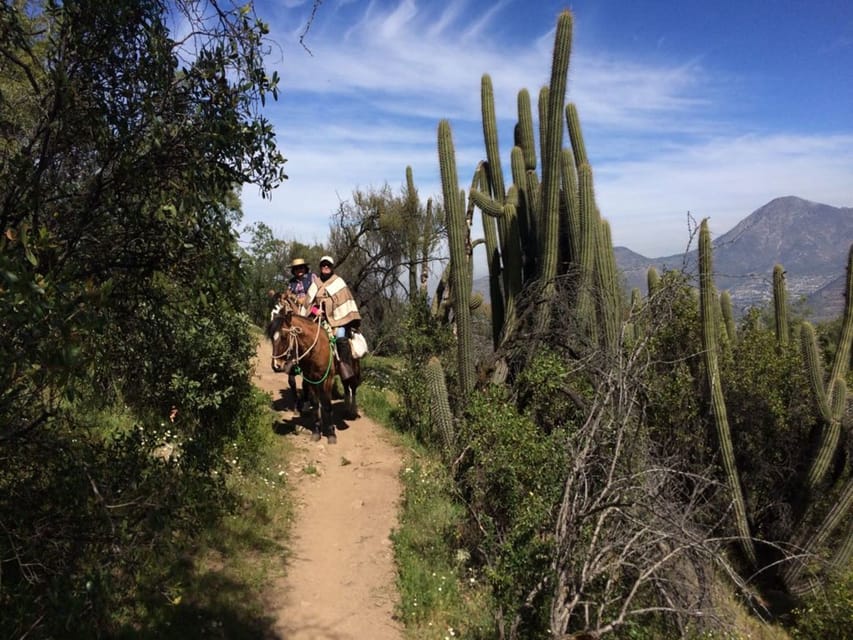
{"x": 303, "y": 345}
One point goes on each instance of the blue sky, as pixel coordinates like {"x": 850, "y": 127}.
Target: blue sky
{"x": 709, "y": 107}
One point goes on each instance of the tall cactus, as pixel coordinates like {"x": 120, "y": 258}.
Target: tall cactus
{"x": 707, "y": 304}
{"x": 412, "y": 206}
{"x": 652, "y": 281}
{"x": 728, "y": 316}
{"x": 609, "y": 307}
{"x": 780, "y": 304}
{"x": 525, "y": 136}
{"x": 586, "y": 257}
{"x": 842, "y": 354}
{"x": 829, "y": 408}
{"x": 441, "y": 417}
{"x": 457, "y": 231}
{"x": 551, "y": 148}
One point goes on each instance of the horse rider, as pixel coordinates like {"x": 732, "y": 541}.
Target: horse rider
{"x": 334, "y": 297}
{"x": 298, "y": 285}
{"x": 300, "y": 282}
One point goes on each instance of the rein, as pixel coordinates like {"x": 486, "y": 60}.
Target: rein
{"x": 293, "y": 346}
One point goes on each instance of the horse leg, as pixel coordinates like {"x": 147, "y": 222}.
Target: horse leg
{"x": 350, "y": 409}
{"x": 307, "y": 396}
{"x": 317, "y": 423}
{"x": 325, "y": 401}
{"x": 353, "y": 403}
{"x": 294, "y": 394}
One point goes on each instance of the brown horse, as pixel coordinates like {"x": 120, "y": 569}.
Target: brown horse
{"x": 305, "y": 343}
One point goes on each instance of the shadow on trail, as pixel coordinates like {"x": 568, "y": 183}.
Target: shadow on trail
{"x": 292, "y": 424}
{"x": 212, "y": 606}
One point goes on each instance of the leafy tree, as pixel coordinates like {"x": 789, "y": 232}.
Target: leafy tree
{"x": 126, "y": 128}
{"x": 266, "y": 264}
{"x": 372, "y": 239}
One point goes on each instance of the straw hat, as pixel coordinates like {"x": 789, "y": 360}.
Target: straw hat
{"x": 298, "y": 262}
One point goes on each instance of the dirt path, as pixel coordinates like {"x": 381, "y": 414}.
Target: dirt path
{"x": 340, "y": 578}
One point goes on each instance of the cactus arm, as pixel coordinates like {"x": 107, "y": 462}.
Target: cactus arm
{"x": 652, "y": 281}
{"x": 493, "y": 260}
{"x": 574, "y": 124}
{"x": 487, "y": 205}
{"x": 586, "y": 257}
{"x": 551, "y": 149}
{"x": 525, "y": 228}
{"x": 728, "y": 316}
{"x": 490, "y": 136}
{"x": 571, "y": 205}
{"x": 842, "y": 353}
{"x": 837, "y": 515}
{"x": 525, "y": 130}
{"x": 542, "y": 106}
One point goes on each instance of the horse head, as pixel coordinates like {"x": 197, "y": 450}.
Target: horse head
{"x": 279, "y": 331}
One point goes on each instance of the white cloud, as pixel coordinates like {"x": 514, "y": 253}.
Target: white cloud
{"x": 367, "y": 104}
{"x": 724, "y": 178}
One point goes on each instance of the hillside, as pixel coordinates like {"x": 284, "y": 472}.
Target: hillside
{"x": 810, "y": 240}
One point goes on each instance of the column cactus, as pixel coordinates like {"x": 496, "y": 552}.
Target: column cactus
{"x": 780, "y": 304}
{"x": 426, "y": 244}
{"x": 457, "y": 231}
{"x": 551, "y": 147}
{"x": 493, "y": 261}
{"x": 412, "y": 206}
{"x": 728, "y": 316}
{"x": 573, "y": 122}
{"x": 571, "y": 227}
{"x": 441, "y": 418}
{"x": 524, "y": 130}
{"x": 652, "y": 281}
{"x": 707, "y": 304}
{"x": 609, "y": 304}
{"x": 829, "y": 397}
{"x": 586, "y": 257}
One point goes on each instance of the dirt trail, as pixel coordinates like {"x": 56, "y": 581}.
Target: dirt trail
{"x": 339, "y": 579}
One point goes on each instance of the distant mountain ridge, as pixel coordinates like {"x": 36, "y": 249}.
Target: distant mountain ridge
{"x": 809, "y": 239}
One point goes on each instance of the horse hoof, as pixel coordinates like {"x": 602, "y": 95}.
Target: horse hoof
{"x": 315, "y": 436}
{"x": 333, "y": 439}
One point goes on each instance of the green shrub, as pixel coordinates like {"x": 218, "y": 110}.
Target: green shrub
{"x": 439, "y": 594}
{"x": 828, "y": 615}
{"x": 512, "y": 479}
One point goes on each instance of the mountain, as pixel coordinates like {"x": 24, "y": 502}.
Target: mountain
{"x": 810, "y": 240}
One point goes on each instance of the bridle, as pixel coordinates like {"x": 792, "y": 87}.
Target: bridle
{"x": 293, "y": 344}
{"x": 293, "y": 347}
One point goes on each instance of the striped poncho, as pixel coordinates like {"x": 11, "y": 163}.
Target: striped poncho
{"x": 335, "y": 297}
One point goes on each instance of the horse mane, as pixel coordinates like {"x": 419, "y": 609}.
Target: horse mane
{"x": 274, "y": 326}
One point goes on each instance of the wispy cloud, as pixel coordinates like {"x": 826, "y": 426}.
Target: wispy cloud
{"x": 367, "y": 102}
